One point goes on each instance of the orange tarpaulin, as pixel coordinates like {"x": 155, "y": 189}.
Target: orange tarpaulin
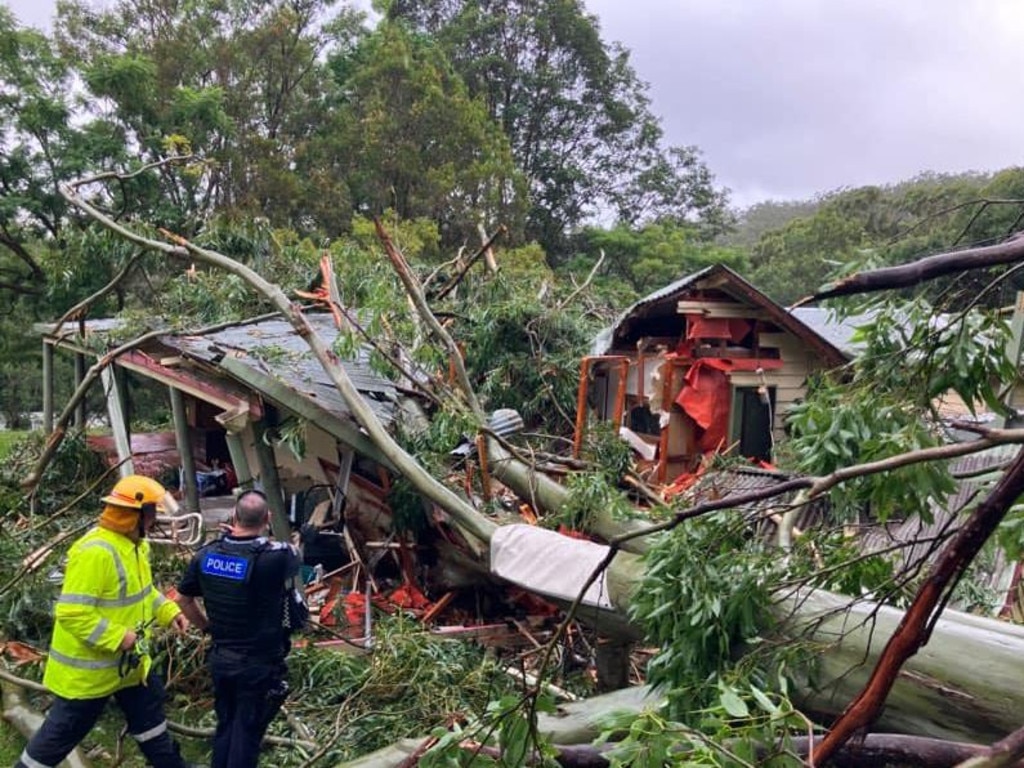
{"x": 732, "y": 329}
{"x": 705, "y": 398}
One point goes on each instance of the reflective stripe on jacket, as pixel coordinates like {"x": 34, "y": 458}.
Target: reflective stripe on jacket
{"x": 108, "y": 590}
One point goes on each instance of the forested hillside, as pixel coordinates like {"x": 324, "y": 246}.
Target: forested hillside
{"x": 795, "y": 247}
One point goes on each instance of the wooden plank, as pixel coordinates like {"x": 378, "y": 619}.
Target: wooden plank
{"x": 118, "y": 427}
{"x": 720, "y": 310}
{"x": 774, "y": 340}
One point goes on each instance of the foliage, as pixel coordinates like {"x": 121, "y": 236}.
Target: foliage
{"x": 1011, "y": 533}
{"x": 576, "y": 117}
{"x": 409, "y": 684}
{"x": 408, "y": 512}
{"x": 705, "y": 592}
{"x": 523, "y": 354}
{"x": 899, "y": 223}
{"x": 832, "y": 559}
{"x": 744, "y": 725}
{"x": 418, "y": 143}
{"x": 239, "y": 83}
{"x": 40, "y": 147}
{"x": 654, "y": 255}
{"x": 598, "y": 488}
{"x": 911, "y": 357}
{"x": 417, "y": 238}
{"x": 28, "y": 525}
{"x": 8, "y": 441}
{"x": 920, "y": 355}
{"x": 509, "y": 723}
{"x": 839, "y": 425}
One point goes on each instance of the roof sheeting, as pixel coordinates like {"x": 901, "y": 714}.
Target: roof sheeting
{"x": 273, "y": 348}
{"x": 838, "y": 331}
{"x": 261, "y": 350}
{"x": 724, "y": 279}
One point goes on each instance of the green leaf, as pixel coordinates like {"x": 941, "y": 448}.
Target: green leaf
{"x": 733, "y": 704}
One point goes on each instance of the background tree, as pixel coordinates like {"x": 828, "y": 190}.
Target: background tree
{"x": 651, "y": 256}
{"x": 241, "y": 86}
{"x": 577, "y": 118}
{"x": 416, "y": 143}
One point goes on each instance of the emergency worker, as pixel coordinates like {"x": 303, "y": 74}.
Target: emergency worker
{"x": 243, "y": 579}
{"x": 106, "y": 609}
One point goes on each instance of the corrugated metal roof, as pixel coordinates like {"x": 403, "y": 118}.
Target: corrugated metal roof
{"x": 272, "y": 347}
{"x": 269, "y": 346}
{"x": 734, "y": 481}
{"x": 978, "y": 470}
{"x": 837, "y": 331}
{"x": 603, "y": 340}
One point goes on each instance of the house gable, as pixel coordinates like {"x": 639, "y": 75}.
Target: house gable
{"x": 706, "y": 364}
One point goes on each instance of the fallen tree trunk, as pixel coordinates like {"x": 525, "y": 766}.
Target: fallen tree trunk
{"x": 28, "y": 721}
{"x": 577, "y": 724}
{"x": 873, "y": 750}
{"x": 961, "y": 686}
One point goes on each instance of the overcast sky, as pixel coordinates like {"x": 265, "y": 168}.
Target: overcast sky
{"x": 791, "y": 98}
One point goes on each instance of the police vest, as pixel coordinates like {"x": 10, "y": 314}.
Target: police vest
{"x": 240, "y": 616}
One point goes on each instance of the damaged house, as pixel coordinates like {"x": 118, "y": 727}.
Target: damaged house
{"x": 706, "y": 364}
{"x": 250, "y": 406}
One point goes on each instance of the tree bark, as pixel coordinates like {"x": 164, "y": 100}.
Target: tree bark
{"x": 1009, "y": 251}
{"x": 919, "y": 620}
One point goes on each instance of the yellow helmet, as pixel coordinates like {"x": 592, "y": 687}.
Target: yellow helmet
{"x": 137, "y": 492}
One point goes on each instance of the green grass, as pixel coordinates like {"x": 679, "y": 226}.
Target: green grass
{"x": 101, "y": 743}
{"x": 8, "y": 438}
{"x": 11, "y": 743}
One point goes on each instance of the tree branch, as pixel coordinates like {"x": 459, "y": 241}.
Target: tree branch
{"x": 915, "y": 628}
{"x": 450, "y": 286}
{"x": 416, "y": 295}
{"x": 469, "y": 519}
{"x": 1009, "y": 251}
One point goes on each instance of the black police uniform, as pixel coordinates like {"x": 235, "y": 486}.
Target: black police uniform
{"x": 243, "y": 582}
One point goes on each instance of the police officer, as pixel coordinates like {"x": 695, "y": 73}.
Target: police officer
{"x": 106, "y": 606}
{"x": 243, "y": 579}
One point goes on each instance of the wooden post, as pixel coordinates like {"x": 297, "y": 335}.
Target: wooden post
{"x": 581, "y": 407}
{"x": 118, "y": 425}
{"x": 620, "y": 393}
{"x": 47, "y": 387}
{"x": 80, "y": 414}
{"x": 240, "y": 462}
{"x": 190, "y": 488}
{"x": 1014, "y": 348}
{"x": 666, "y": 405}
{"x": 271, "y": 484}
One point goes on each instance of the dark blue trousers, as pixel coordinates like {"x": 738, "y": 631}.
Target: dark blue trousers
{"x": 69, "y": 720}
{"x": 248, "y": 691}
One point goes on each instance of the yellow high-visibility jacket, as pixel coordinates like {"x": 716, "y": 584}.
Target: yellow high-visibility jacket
{"x": 108, "y": 590}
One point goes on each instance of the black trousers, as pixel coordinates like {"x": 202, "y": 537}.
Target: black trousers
{"x": 248, "y": 691}
{"x": 69, "y": 720}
